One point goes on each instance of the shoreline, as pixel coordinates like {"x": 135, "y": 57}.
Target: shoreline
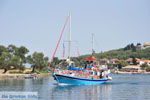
{"x": 41, "y": 75}
{"x": 21, "y": 76}
{"x": 121, "y": 72}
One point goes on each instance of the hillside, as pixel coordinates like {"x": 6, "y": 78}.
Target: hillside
{"x": 123, "y": 54}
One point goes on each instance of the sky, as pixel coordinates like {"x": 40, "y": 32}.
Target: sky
{"x": 36, "y": 24}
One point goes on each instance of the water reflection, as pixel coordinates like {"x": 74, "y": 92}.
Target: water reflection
{"x": 20, "y": 84}
{"x": 87, "y": 92}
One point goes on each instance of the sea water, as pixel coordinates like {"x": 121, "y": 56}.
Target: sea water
{"x": 122, "y": 87}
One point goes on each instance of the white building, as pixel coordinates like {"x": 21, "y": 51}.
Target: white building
{"x": 144, "y": 62}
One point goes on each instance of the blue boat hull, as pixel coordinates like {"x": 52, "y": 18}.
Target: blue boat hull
{"x": 65, "y": 79}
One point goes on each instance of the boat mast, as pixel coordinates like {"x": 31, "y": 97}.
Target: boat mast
{"x": 69, "y": 42}
{"x": 62, "y": 31}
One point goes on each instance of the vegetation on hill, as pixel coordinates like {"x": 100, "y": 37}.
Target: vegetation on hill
{"x": 124, "y": 53}
{"x": 130, "y": 51}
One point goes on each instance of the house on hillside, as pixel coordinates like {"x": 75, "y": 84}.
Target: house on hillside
{"x": 146, "y": 45}
{"x": 131, "y": 68}
{"x": 104, "y": 61}
{"x": 138, "y": 61}
{"x": 108, "y": 61}
{"x": 135, "y": 68}
{"x": 92, "y": 60}
{"x": 130, "y": 60}
{"x": 113, "y": 61}
{"x": 144, "y": 62}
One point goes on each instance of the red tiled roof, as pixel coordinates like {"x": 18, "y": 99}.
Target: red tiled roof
{"x": 146, "y": 61}
{"x": 91, "y": 58}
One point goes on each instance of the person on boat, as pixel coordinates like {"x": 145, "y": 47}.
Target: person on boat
{"x": 72, "y": 74}
{"x": 51, "y": 69}
{"x": 98, "y": 73}
{"x": 85, "y": 66}
{"x": 101, "y": 73}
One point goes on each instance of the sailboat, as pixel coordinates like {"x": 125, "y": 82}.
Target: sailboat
{"x": 79, "y": 76}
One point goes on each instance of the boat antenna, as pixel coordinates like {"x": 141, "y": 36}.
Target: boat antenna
{"x": 78, "y": 54}
{"x": 63, "y": 50}
{"x": 93, "y": 51}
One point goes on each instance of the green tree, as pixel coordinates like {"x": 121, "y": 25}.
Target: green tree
{"x": 21, "y": 52}
{"x": 2, "y": 49}
{"x": 12, "y": 49}
{"x": 64, "y": 64}
{"x": 5, "y": 61}
{"x": 134, "y": 61}
{"x": 37, "y": 61}
{"x": 121, "y": 63}
{"x": 145, "y": 67}
{"x": 18, "y": 56}
{"x": 55, "y": 62}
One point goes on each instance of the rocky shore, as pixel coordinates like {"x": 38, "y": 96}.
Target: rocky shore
{"x": 19, "y": 76}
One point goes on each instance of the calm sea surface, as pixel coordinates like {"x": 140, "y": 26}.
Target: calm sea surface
{"x": 122, "y": 87}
